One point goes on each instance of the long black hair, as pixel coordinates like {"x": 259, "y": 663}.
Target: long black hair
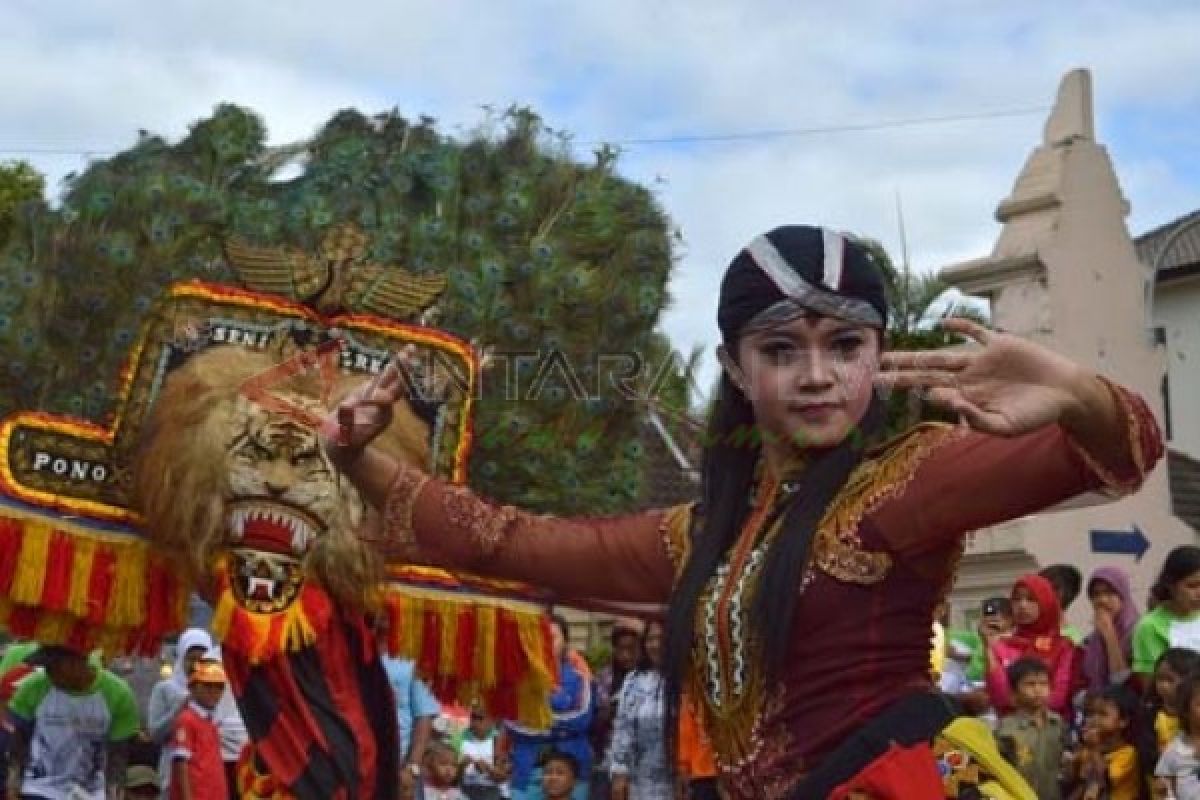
{"x": 732, "y": 449}
{"x": 1183, "y": 662}
{"x": 788, "y": 262}
{"x": 1179, "y": 564}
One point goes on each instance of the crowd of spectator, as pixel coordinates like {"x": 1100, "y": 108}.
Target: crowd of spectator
{"x": 1102, "y": 713}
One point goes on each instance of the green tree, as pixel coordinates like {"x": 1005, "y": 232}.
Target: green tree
{"x": 909, "y": 295}
{"x": 20, "y": 184}
{"x": 542, "y": 253}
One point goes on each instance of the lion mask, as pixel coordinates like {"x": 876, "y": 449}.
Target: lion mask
{"x": 217, "y": 473}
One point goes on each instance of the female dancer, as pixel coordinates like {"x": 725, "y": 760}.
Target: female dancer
{"x": 802, "y": 587}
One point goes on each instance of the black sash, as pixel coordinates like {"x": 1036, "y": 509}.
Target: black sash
{"x": 912, "y": 719}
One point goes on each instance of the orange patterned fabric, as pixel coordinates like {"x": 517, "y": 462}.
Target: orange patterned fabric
{"x": 696, "y": 757}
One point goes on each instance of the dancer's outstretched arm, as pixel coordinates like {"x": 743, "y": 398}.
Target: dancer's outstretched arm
{"x": 622, "y": 559}
{"x": 1040, "y": 430}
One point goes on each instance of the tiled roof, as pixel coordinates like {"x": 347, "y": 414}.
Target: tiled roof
{"x": 1183, "y": 474}
{"x": 671, "y": 466}
{"x": 1183, "y": 254}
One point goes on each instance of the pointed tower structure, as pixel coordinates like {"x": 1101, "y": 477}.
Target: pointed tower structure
{"x": 1064, "y": 272}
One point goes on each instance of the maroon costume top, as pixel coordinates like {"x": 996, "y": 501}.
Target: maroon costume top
{"x": 882, "y": 557}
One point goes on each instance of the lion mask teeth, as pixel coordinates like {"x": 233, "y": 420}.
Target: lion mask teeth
{"x": 302, "y": 535}
{"x": 237, "y": 526}
{"x": 293, "y": 529}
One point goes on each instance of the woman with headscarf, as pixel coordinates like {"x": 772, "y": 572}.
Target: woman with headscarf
{"x": 170, "y": 695}
{"x": 1108, "y": 649}
{"x": 1038, "y": 618}
{"x": 800, "y": 590}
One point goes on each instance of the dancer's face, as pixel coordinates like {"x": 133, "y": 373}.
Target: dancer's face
{"x": 809, "y": 380}
{"x": 557, "y": 780}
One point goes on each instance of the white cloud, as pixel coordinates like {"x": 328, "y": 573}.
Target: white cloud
{"x": 87, "y": 75}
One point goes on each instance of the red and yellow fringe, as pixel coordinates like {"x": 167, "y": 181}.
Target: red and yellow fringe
{"x": 64, "y": 583}
{"x": 467, "y": 646}
{"x": 475, "y": 648}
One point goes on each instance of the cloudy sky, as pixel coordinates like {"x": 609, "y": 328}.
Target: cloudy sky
{"x": 85, "y": 76}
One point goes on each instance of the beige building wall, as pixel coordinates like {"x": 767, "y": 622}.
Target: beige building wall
{"x": 1064, "y": 272}
{"x": 1177, "y": 311}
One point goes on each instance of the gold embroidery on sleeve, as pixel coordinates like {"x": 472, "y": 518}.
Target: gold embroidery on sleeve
{"x": 1133, "y": 434}
{"x": 487, "y": 524}
{"x": 398, "y": 512}
{"x": 675, "y": 533}
{"x": 736, "y": 716}
{"x": 837, "y": 548}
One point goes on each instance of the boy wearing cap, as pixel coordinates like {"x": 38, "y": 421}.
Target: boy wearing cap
{"x": 72, "y": 721}
{"x": 197, "y": 770}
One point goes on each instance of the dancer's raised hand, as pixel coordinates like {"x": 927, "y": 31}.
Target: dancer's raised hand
{"x": 364, "y": 414}
{"x": 1006, "y": 385}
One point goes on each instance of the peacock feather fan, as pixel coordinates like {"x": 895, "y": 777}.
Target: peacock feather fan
{"x": 557, "y": 268}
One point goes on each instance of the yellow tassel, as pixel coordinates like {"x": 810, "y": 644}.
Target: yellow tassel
{"x": 413, "y": 627}
{"x": 533, "y": 643}
{"x": 223, "y": 614}
{"x": 81, "y": 575}
{"x": 532, "y": 705}
{"x": 31, "y": 565}
{"x": 261, "y": 623}
{"x": 126, "y": 606}
{"x": 298, "y": 630}
{"x": 448, "y": 655}
{"x": 485, "y": 648}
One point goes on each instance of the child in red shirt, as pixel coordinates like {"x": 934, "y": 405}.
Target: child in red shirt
{"x": 197, "y": 771}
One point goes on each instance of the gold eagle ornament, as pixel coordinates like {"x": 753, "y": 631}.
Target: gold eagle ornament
{"x": 338, "y": 279}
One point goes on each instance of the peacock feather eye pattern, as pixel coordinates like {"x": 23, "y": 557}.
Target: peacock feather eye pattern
{"x": 538, "y": 251}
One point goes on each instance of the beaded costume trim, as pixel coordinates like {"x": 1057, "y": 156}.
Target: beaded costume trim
{"x": 734, "y": 707}
{"x": 837, "y": 548}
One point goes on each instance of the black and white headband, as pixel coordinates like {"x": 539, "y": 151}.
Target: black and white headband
{"x": 802, "y": 296}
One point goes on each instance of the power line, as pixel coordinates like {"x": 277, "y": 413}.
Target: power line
{"x": 844, "y": 128}
{"x": 48, "y": 151}
{"x": 700, "y": 138}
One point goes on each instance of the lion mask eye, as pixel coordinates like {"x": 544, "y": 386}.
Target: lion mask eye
{"x": 255, "y": 451}
{"x": 306, "y": 458}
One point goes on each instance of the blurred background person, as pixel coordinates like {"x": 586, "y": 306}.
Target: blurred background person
{"x": 170, "y": 696}
{"x": 641, "y": 768}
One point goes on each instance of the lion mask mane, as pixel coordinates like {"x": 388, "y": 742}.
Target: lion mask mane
{"x": 206, "y": 453}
